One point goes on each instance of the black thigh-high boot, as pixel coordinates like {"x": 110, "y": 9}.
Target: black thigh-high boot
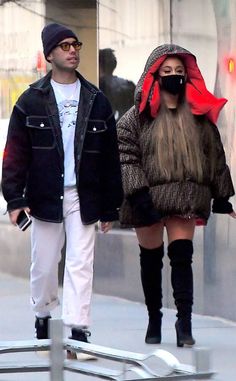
{"x": 180, "y": 253}
{"x": 151, "y": 268}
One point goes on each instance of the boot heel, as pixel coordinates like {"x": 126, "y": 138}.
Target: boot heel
{"x": 178, "y": 342}
{"x": 153, "y": 335}
{"x": 184, "y": 337}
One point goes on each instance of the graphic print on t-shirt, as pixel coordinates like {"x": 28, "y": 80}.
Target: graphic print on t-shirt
{"x": 67, "y": 97}
{"x": 68, "y": 113}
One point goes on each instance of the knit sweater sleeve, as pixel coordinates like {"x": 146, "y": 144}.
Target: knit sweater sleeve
{"x": 133, "y": 176}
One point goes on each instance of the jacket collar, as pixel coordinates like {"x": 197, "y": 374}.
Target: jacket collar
{"x": 43, "y": 84}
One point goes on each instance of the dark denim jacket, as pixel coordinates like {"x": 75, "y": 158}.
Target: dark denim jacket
{"x": 33, "y": 166}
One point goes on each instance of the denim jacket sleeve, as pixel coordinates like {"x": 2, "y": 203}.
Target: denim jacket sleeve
{"x": 16, "y": 160}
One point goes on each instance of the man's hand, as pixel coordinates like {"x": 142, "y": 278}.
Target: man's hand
{"x": 106, "y": 226}
{"x": 232, "y": 214}
{"x": 15, "y": 213}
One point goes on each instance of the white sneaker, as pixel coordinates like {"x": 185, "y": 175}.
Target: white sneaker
{"x": 80, "y": 356}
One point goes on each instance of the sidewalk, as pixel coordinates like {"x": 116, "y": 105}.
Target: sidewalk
{"x": 116, "y": 323}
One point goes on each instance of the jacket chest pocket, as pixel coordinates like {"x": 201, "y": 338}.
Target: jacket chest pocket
{"x": 95, "y": 136}
{"x": 41, "y": 132}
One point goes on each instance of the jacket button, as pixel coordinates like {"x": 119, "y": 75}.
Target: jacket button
{"x": 42, "y": 124}
{"x": 61, "y": 197}
{"x": 62, "y": 175}
{"x": 94, "y": 128}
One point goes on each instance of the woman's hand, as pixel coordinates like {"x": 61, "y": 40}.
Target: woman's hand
{"x": 141, "y": 202}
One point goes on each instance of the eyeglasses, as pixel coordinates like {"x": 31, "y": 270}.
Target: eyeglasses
{"x": 65, "y": 46}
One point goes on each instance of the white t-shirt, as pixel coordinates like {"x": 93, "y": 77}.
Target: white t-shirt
{"x": 67, "y": 97}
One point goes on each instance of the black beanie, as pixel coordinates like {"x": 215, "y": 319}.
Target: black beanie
{"x": 54, "y": 33}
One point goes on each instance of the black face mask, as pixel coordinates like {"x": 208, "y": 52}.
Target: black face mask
{"x": 173, "y": 84}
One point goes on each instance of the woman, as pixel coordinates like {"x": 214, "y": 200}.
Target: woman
{"x": 173, "y": 165}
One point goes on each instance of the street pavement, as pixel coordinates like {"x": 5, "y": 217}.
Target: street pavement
{"x": 116, "y": 323}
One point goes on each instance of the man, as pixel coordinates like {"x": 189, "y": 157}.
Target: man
{"x": 119, "y": 91}
{"x": 62, "y": 166}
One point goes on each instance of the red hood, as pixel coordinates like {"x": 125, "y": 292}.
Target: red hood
{"x": 201, "y": 101}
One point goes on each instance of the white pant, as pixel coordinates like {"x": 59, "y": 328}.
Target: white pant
{"x": 47, "y": 240}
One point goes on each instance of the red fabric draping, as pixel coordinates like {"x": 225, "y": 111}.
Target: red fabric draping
{"x": 201, "y": 101}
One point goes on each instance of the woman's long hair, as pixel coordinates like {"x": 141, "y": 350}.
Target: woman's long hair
{"x": 182, "y": 148}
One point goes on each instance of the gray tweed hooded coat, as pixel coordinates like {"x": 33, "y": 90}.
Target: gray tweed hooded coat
{"x": 182, "y": 197}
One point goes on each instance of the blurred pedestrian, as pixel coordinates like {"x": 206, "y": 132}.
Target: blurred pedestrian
{"x": 119, "y": 91}
{"x": 62, "y": 166}
{"x": 173, "y": 165}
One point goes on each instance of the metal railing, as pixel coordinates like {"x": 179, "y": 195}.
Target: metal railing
{"x": 164, "y": 366}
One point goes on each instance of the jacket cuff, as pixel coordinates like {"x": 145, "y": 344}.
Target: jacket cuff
{"x": 110, "y": 216}
{"x": 222, "y": 206}
{"x": 17, "y": 203}
{"x": 139, "y": 197}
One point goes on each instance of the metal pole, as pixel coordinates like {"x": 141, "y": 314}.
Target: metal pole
{"x": 171, "y": 21}
{"x": 202, "y": 360}
{"x": 57, "y": 351}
